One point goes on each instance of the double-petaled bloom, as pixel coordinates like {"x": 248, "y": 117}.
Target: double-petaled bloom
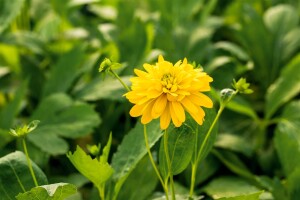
{"x": 166, "y": 91}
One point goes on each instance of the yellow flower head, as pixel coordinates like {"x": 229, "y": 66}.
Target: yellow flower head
{"x": 166, "y": 91}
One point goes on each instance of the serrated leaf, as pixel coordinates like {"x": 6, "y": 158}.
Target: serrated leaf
{"x": 9, "y": 11}
{"x": 103, "y": 89}
{"x": 181, "y": 143}
{"x": 57, "y": 191}
{"x": 285, "y": 87}
{"x": 64, "y": 72}
{"x": 97, "y": 172}
{"x": 229, "y": 186}
{"x": 287, "y": 138}
{"x": 61, "y": 117}
{"x": 15, "y": 171}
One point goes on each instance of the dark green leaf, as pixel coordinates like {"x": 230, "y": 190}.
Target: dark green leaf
{"x": 293, "y": 184}
{"x": 15, "y": 176}
{"x": 57, "y": 191}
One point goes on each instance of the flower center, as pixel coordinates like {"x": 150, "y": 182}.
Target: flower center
{"x": 169, "y": 83}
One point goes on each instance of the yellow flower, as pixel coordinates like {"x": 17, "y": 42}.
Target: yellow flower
{"x": 166, "y": 91}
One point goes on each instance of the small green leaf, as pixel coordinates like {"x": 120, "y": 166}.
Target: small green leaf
{"x": 181, "y": 143}
{"x": 285, "y": 87}
{"x": 15, "y": 171}
{"x": 97, "y": 172}
{"x": 57, "y": 191}
{"x": 106, "y": 150}
{"x": 9, "y": 11}
{"x": 229, "y": 186}
{"x": 253, "y": 196}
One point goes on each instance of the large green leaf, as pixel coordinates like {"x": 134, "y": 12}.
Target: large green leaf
{"x": 143, "y": 175}
{"x": 293, "y": 184}
{"x": 133, "y": 149}
{"x": 96, "y": 171}
{"x": 229, "y": 186}
{"x": 287, "y": 138}
{"x": 57, "y": 191}
{"x": 61, "y": 117}
{"x": 181, "y": 143}
{"x": 252, "y": 196}
{"x": 285, "y": 87}
{"x": 9, "y": 11}
{"x": 9, "y": 112}
{"x": 64, "y": 72}
{"x": 15, "y": 176}
{"x": 103, "y": 89}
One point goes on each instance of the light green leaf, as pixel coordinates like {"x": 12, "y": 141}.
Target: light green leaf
{"x": 103, "y": 89}
{"x": 64, "y": 72}
{"x": 181, "y": 143}
{"x": 253, "y": 196}
{"x": 229, "y": 186}
{"x": 133, "y": 149}
{"x": 235, "y": 143}
{"x": 15, "y": 175}
{"x": 97, "y": 172}
{"x": 61, "y": 117}
{"x": 285, "y": 87}
{"x": 9, "y": 112}
{"x": 287, "y": 138}
{"x": 234, "y": 49}
{"x": 9, "y": 11}
{"x": 57, "y": 191}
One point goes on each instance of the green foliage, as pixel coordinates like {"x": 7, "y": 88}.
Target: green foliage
{"x": 15, "y": 177}
{"x": 9, "y": 11}
{"x": 58, "y": 191}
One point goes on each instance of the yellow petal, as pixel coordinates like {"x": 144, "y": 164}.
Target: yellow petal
{"x": 165, "y": 119}
{"x": 136, "y": 110}
{"x": 146, "y": 117}
{"x": 177, "y": 107}
{"x": 140, "y": 73}
{"x": 159, "y": 106}
{"x": 160, "y": 58}
{"x": 201, "y": 100}
{"x": 189, "y": 106}
{"x": 199, "y": 116}
{"x": 174, "y": 116}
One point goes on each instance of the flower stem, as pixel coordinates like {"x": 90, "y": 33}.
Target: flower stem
{"x": 153, "y": 163}
{"x": 119, "y": 79}
{"x": 29, "y": 162}
{"x": 169, "y": 163}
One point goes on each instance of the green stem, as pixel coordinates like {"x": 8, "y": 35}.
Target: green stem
{"x": 169, "y": 163}
{"x": 102, "y": 192}
{"x": 29, "y": 163}
{"x": 193, "y": 178}
{"x": 153, "y": 163}
{"x": 122, "y": 82}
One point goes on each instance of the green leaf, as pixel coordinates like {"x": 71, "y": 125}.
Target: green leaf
{"x": 133, "y": 149}
{"x": 253, "y": 196}
{"x": 142, "y": 175}
{"x": 293, "y": 184}
{"x": 57, "y": 191}
{"x": 181, "y": 143}
{"x": 232, "y": 48}
{"x": 285, "y": 87}
{"x": 287, "y": 138}
{"x": 9, "y": 11}
{"x": 229, "y": 186}
{"x": 241, "y": 106}
{"x": 61, "y": 117}
{"x": 15, "y": 175}
{"x": 9, "y": 112}
{"x": 97, "y": 172}
{"x": 106, "y": 150}
{"x": 64, "y": 72}
{"x": 103, "y": 89}
{"x": 234, "y": 143}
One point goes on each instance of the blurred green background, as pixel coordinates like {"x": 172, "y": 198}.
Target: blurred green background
{"x": 50, "y": 52}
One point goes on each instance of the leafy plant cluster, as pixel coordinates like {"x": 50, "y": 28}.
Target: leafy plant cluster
{"x": 50, "y": 52}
